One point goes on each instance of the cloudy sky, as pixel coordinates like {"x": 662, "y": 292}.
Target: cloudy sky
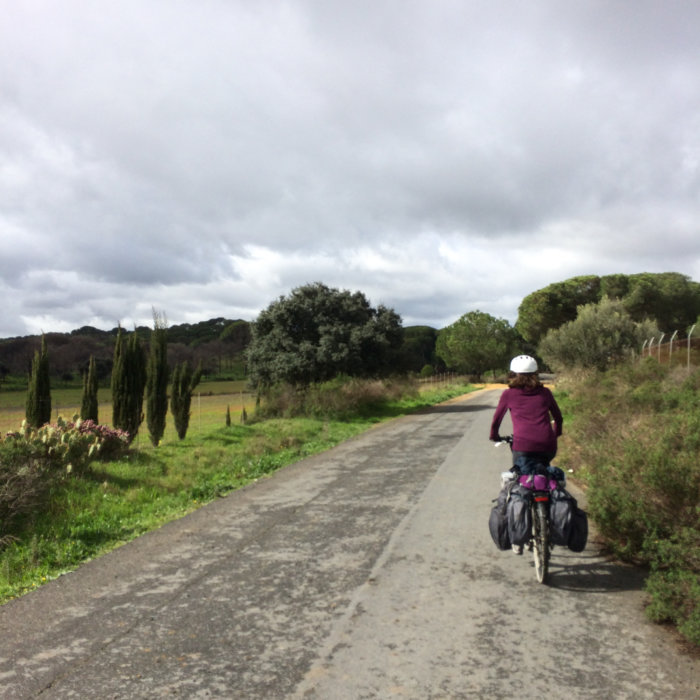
{"x": 204, "y": 157}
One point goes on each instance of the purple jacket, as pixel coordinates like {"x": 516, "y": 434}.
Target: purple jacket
{"x": 530, "y": 411}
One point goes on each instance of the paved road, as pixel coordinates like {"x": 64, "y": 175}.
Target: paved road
{"x": 365, "y": 572}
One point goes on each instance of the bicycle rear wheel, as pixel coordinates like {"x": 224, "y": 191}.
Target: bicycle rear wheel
{"x": 540, "y": 549}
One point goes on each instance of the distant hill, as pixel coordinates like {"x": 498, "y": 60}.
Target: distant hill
{"x": 218, "y": 343}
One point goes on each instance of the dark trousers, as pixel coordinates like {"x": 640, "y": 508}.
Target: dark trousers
{"x": 543, "y": 457}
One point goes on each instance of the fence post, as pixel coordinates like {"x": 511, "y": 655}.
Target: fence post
{"x": 651, "y": 342}
{"x": 670, "y": 346}
{"x": 663, "y": 335}
{"x": 690, "y": 333}
{"x": 644, "y": 344}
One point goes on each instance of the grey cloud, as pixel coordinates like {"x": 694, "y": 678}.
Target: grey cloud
{"x": 144, "y": 147}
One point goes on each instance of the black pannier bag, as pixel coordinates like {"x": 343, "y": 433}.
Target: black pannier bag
{"x": 519, "y": 516}
{"x": 561, "y": 513}
{"x": 498, "y": 521}
{"x": 579, "y": 531}
{"x": 568, "y": 524}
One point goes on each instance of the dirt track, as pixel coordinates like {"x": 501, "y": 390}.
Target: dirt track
{"x": 365, "y": 572}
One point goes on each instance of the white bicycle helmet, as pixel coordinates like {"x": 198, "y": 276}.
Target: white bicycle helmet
{"x": 523, "y": 364}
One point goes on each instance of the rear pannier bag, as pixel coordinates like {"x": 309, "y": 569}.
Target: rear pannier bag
{"x": 561, "y": 514}
{"x": 498, "y": 521}
{"x": 579, "y": 531}
{"x": 519, "y": 516}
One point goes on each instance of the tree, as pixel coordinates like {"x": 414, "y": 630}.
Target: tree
{"x": 237, "y": 333}
{"x": 157, "y": 379}
{"x": 38, "y": 406}
{"x": 600, "y": 336}
{"x": 89, "y": 404}
{"x": 418, "y": 349}
{"x": 317, "y": 333}
{"x": 554, "y": 305}
{"x": 184, "y": 383}
{"x": 614, "y": 286}
{"x": 670, "y": 299}
{"x": 476, "y": 342}
{"x": 128, "y": 383}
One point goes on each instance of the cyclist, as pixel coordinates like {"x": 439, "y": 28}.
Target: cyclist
{"x": 536, "y": 417}
{"x": 537, "y": 420}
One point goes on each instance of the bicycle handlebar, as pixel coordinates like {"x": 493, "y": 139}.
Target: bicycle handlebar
{"x": 507, "y": 439}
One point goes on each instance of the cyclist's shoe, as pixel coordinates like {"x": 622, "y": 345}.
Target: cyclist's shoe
{"x": 517, "y": 549}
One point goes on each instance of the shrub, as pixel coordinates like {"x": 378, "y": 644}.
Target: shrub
{"x": 25, "y": 481}
{"x": 635, "y": 439}
{"x": 337, "y": 398}
{"x": 108, "y": 443}
{"x": 674, "y": 583}
{"x": 33, "y": 459}
{"x": 601, "y": 335}
{"x": 68, "y": 446}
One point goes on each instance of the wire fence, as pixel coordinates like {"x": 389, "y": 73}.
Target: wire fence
{"x": 668, "y": 348}
{"x": 441, "y": 379}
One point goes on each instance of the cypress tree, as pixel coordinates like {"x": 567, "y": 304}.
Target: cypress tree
{"x": 157, "y": 382}
{"x": 117, "y": 382}
{"x": 88, "y": 406}
{"x": 128, "y": 382}
{"x": 184, "y": 383}
{"x": 38, "y": 406}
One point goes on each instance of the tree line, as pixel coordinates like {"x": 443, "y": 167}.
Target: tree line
{"x": 317, "y": 333}
{"x": 218, "y": 344}
{"x": 586, "y": 321}
{"x": 670, "y": 299}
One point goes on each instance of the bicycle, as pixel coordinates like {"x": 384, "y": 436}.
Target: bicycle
{"x": 539, "y": 543}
